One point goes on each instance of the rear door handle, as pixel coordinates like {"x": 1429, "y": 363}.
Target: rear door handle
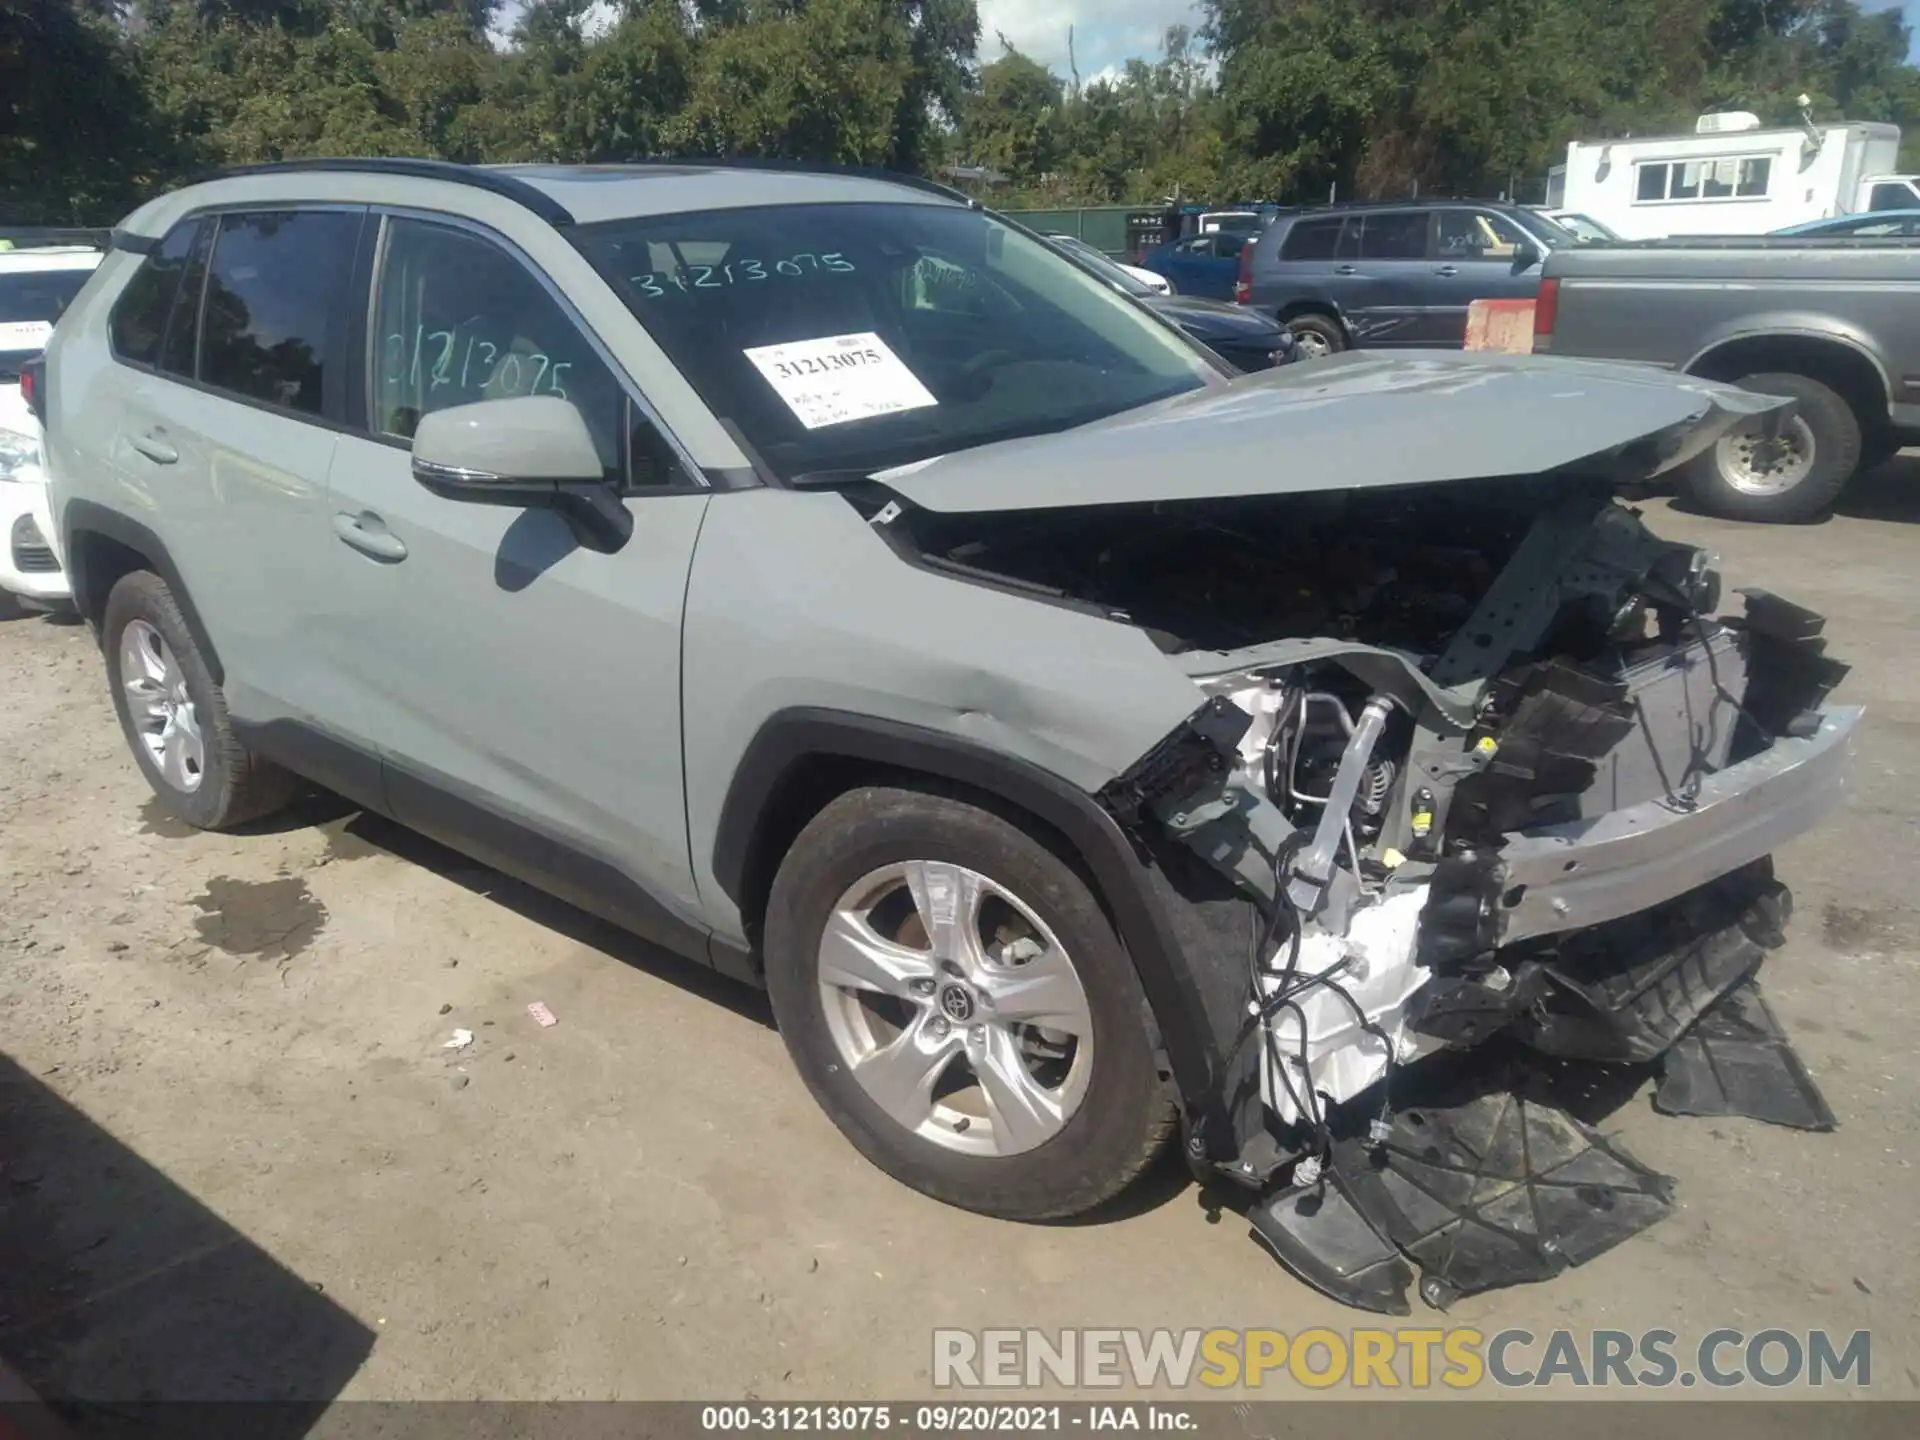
{"x": 1446, "y": 269}
{"x": 1346, "y": 269}
{"x": 154, "y": 446}
{"x": 368, "y": 533}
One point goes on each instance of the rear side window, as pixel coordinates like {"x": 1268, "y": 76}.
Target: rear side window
{"x": 1400, "y": 235}
{"x": 140, "y": 315}
{"x": 1311, "y": 240}
{"x": 278, "y": 290}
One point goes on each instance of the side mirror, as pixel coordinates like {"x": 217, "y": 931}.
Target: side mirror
{"x": 1526, "y": 255}
{"x": 529, "y": 452}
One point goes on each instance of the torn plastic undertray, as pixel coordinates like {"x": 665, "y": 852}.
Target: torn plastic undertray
{"x": 1738, "y": 1061}
{"x": 1489, "y": 1185}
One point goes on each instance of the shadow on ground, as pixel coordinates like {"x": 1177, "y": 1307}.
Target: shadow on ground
{"x": 1888, "y": 492}
{"x": 121, "y": 1295}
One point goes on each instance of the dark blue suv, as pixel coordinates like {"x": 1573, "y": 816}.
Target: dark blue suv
{"x": 1393, "y": 273}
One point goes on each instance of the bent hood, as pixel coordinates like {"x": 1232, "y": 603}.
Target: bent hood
{"x": 1352, "y": 421}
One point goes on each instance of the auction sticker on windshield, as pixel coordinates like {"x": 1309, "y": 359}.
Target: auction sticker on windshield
{"x": 838, "y": 378}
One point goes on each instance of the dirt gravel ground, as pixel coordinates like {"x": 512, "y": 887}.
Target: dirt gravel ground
{"x": 236, "y": 1160}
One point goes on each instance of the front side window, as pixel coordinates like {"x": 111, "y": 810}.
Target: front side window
{"x": 278, "y": 288}
{"x": 1893, "y": 197}
{"x": 459, "y": 320}
{"x": 851, "y": 338}
{"x": 1477, "y": 235}
{"x": 140, "y": 314}
{"x": 1396, "y": 235}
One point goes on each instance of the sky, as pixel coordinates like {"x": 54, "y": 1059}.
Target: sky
{"x": 1106, "y": 33}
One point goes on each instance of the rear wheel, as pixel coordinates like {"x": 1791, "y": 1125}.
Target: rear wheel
{"x": 174, "y": 716}
{"x": 959, "y": 1005}
{"x": 1749, "y": 475}
{"x": 1319, "y": 335}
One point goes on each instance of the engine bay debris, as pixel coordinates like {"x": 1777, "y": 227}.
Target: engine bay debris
{"x": 1494, "y": 776}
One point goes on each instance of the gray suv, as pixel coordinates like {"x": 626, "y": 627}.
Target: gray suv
{"x": 836, "y": 585}
{"x": 1394, "y": 273}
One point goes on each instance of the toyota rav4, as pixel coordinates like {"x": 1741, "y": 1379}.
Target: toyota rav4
{"x": 1083, "y": 744}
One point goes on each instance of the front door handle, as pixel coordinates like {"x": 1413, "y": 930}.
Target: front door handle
{"x": 368, "y": 533}
{"x": 1346, "y": 269}
{"x": 1446, "y": 269}
{"x": 154, "y": 446}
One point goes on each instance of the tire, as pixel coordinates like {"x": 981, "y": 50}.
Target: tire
{"x": 1075, "y": 1157}
{"x": 1319, "y": 335}
{"x": 10, "y": 606}
{"x": 1826, "y": 451}
{"x": 225, "y": 785}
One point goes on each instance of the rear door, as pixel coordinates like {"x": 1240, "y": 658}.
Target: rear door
{"x": 523, "y": 692}
{"x": 1381, "y": 277}
{"x": 230, "y": 436}
{"x": 1473, "y": 259}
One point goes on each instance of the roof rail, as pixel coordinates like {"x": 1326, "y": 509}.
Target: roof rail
{"x": 32, "y": 237}
{"x": 498, "y": 182}
{"x": 803, "y": 167}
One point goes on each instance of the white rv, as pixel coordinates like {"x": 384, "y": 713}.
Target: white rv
{"x": 1732, "y": 176}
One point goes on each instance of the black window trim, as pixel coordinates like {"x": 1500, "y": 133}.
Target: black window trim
{"x": 698, "y": 483}
{"x": 337, "y": 424}
{"x": 146, "y": 254}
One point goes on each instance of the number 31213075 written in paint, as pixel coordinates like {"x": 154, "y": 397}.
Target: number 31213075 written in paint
{"x": 441, "y": 358}
{"x": 654, "y": 283}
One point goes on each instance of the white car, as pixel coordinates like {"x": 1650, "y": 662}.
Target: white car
{"x": 36, "y": 285}
{"x": 1075, "y": 245}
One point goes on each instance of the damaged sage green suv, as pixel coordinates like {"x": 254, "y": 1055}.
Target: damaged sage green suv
{"x": 833, "y": 582}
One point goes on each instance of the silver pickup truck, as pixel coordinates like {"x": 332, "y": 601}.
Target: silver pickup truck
{"x": 1833, "y": 324}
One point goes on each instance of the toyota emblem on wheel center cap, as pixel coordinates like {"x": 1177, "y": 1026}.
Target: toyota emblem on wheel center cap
{"x": 957, "y": 1003}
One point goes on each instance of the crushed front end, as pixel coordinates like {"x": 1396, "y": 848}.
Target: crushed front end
{"x": 1493, "y": 781}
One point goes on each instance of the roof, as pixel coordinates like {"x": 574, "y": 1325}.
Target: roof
{"x": 62, "y": 257}
{"x": 1406, "y": 202}
{"x": 560, "y": 194}
{"x": 612, "y": 192}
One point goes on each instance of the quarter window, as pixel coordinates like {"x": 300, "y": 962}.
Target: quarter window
{"x": 276, "y": 305}
{"x": 1311, "y": 240}
{"x": 458, "y": 320}
{"x": 140, "y": 315}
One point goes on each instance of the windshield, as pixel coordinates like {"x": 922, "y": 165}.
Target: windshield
{"x": 844, "y": 339}
{"x": 30, "y": 301}
{"x": 1582, "y": 228}
{"x": 1101, "y": 265}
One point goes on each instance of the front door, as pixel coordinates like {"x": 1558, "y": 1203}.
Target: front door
{"x": 524, "y": 692}
{"x": 1474, "y": 253}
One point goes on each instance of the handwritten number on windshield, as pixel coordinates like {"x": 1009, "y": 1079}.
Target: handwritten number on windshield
{"x": 653, "y": 284}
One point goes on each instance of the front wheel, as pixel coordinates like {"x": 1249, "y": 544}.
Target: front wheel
{"x": 1748, "y": 475}
{"x": 959, "y": 1005}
